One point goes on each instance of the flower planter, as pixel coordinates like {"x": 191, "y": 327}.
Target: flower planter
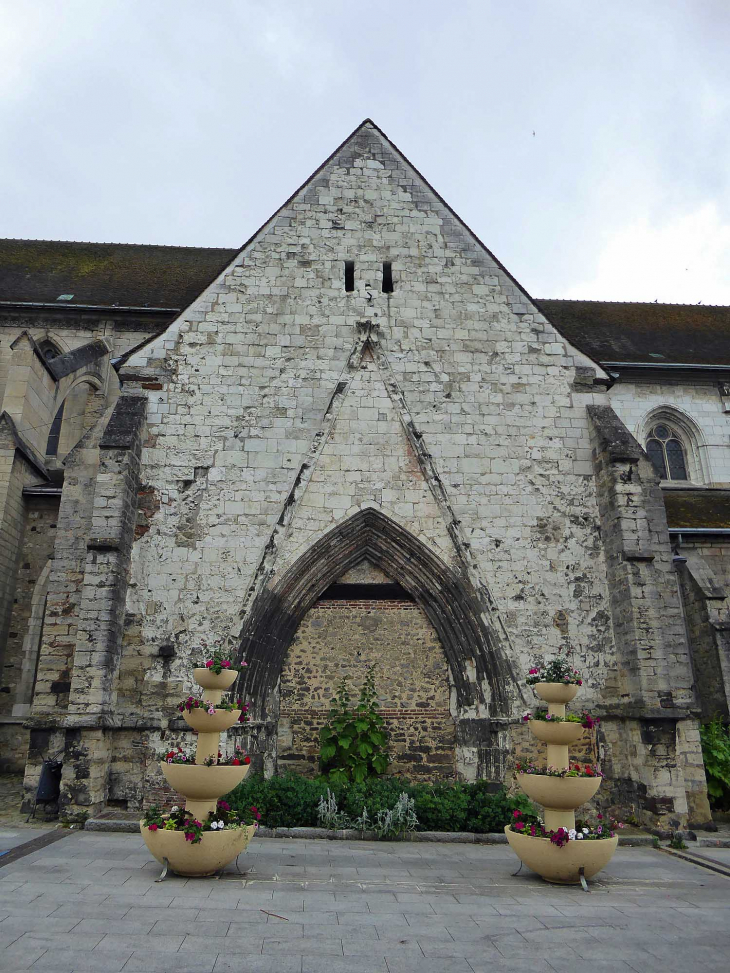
{"x": 207, "y": 856}
{"x": 204, "y": 722}
{"x": 562, "y": 793}
{"x": 556, "y": 692}
{"x": 208, "y": 679}
{"x": 199, "y": 783}
{"x": 556, "y": 733}
{"x": 562, "y": 865}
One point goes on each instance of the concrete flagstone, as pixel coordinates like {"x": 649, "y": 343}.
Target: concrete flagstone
{"x": 90, "y": 903}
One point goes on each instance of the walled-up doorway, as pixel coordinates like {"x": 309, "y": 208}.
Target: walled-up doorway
{"x": 365, "y": 619}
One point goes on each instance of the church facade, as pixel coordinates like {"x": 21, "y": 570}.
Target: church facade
{"x": 357, "y": 441}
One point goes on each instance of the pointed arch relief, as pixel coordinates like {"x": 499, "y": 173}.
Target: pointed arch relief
{"x": 481, "y": 677}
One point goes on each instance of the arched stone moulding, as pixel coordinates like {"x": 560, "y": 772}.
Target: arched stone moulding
{"x": 690, "y": 434}
{"x": 480, "y": 672}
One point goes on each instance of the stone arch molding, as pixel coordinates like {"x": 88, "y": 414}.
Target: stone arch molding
{"x": 481, "y": 676}
{"x": 691, "y": 436}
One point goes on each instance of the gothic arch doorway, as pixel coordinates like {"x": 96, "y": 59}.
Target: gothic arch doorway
{"x": 481, "y": 680}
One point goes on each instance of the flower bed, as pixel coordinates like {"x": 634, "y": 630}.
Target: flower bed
{"x": 574, "y": 770}
{"x": 192, "y": 703}
{"x": 224, "y": 818}
{"x": 561, "y": 836}
{"x": 585, "y": 719}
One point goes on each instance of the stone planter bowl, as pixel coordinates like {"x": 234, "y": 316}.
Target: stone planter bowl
{"x": 208, "y": 680}
{"x": 202, "y": 721}
{"x": 556, "y": 692}
{"x": 211, "y": 853}
{"x": 560, "y": 793}
{"x": 560, "y": 734}
{"x": 200, "y": 783}
{"x": 562, "y": 865}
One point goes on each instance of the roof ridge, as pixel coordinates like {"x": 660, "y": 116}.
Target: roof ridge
{"x": 596, "y": 300}
{"x": 113, "y": 243}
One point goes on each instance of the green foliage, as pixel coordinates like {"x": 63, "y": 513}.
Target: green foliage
{"x": 655, "y": 842}
{"x": 354, "y": 743}
{"x": 715, "y": 738}
{"x": 387, "y": 823}
{"x": 291, "y": 801}
{"x": 677, "y": 842}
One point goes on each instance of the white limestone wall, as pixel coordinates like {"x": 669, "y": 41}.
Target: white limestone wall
{"x": 699, "y": 409}
{"x": 249, "y": 467}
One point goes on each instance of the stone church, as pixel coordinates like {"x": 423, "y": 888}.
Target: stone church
{"x": 357, "y": 440}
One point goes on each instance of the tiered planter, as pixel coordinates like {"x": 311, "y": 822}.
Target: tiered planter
{"x": 202, "y": 786}
{"x": 560, "y": 796}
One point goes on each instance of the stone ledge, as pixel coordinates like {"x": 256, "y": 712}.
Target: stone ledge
{"x": 351, "y": 834}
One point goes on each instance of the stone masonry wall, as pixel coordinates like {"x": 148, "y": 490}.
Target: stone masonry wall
{"x": 288, "y": 405}
{"x": 700, "y": 405}
{"x": 339, "y": 639}
{"x": 249, "y": 473}
{"x": 37, "y": 543}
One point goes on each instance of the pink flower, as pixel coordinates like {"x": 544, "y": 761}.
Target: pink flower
{"x": 519, "y": 825}
{"x": 517, "y": 814}
{"x": 153, "y": 827}
{"x": 211, "y": 711}
{"x": 533, "y": 672}
{"x": 209, "y": 664}
{"x": 226, "y": 664}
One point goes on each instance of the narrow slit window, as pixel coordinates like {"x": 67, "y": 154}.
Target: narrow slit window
{"x": 349, "y": 275}
{"x": 387, "y": 277}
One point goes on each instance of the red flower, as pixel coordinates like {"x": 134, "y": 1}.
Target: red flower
{"x": 247, "y": 760}
{"x": 235, "y": 762}
{"x": 589, "y": 771}
{"x": 153, "y": 827}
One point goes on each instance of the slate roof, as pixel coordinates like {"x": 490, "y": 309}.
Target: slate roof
{"x": 106, "y": 274}
{"x": 697, "y": 508}
{"x": 613, "y": 331}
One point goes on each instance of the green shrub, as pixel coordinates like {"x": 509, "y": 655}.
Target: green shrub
{"x": 715, "y": 738}
{"x": 354, "y": 742}
{"x": 291, "y": 801}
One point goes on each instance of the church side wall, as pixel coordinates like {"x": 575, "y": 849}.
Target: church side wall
{"x": 700, "y": 401}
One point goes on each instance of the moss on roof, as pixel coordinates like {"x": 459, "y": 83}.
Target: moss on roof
{"x": 608, "y": 331}
{"x": 697, "y": 508}
{"x": 106, "y": 274}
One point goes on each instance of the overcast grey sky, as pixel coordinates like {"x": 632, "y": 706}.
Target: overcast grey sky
{"x": 586, "y": 143}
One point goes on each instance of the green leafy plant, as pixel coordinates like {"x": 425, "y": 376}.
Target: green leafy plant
{"x": 677, "y": 842}
{"x": 291, "y": 801}
{"x": 353, "y": 744}
{"x": 655, "y": 842}
{"x": 715, "y": 738}
{"x": 387, "y": 823}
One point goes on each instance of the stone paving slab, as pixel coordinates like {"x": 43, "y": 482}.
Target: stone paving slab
{"x": 90, "y": 903}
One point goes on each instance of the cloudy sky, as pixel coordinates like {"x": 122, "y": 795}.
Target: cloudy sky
{"x": 587, "y": 143}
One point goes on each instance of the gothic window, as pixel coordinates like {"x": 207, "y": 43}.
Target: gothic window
{"x": 667, "y": 452}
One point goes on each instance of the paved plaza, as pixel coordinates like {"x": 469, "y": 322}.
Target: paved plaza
{"x": 89, "y": 902}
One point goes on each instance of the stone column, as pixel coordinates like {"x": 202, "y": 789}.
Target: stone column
{"x": 101, "y": 614}
{"x": 651, "y": 732}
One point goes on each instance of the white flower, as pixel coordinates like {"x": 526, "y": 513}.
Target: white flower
{"x": 579, "y": 835}
{"x": 572, "y": 833}
{"x": 214, "y": 826}
{"x": 221, "y": 825}
{"x": 585, "y": 830}
{"x": 176, "y": 808}
{"x": 211, "y": 711}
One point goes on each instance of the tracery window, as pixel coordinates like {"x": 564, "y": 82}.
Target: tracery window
{"x": 667, "y": 452}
